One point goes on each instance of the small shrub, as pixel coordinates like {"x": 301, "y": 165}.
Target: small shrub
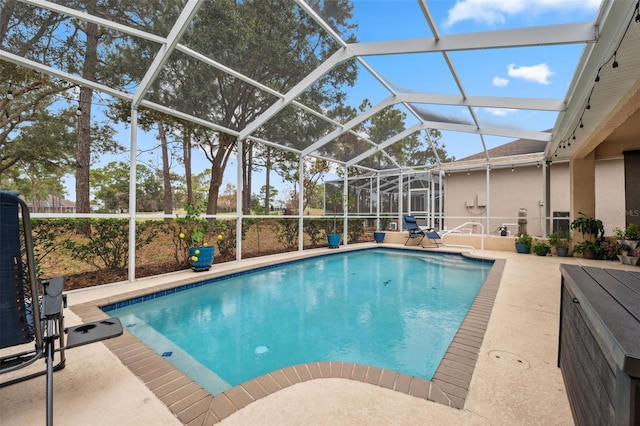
{"x": 314, "y": 229}
{"x": 286, "y": 231}
{"x": 107, "y": 243}
{"x": 356, "y": 230}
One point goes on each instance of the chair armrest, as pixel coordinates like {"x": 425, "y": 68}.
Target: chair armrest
{"x": 92, "y": 332}
{"x": 53, "y": 299}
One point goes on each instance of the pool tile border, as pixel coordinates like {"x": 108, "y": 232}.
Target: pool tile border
{"x": 192, "y": 405}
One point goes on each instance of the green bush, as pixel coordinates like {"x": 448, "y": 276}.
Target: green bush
{"x": 106, "y": 245}
{"x": 286, "y": 231}
{"x": 314, "y": 229}
{"x": 356, "y": 230}
{"x": 49, "y": 235}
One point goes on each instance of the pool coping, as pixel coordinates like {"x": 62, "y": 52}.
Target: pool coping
{"x": 193, "y": 405}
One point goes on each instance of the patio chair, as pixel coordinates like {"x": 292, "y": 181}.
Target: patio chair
{"x": 433, "y": 237}
{"x": 32, "y": 325}
{"x": 416, "y": 230}
{"x": 413, "y": 229}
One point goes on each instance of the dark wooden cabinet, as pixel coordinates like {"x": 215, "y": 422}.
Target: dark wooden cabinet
{"x": 599, "y": 344}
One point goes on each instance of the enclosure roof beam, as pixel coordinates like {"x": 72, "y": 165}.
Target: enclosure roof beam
{"x": 339, "y": 56}
{"x": 83, "y": 16}
{"x": 166, "y": 49}
{"x": 80, "y": 81}
{"x": 520, "y": 37}
{"x": 422, "y": 98}
{"x": 386, "y": 143}
{"x": 349, "y": 125}
{"x": 187, "y": 117}
{"x": 547, "y": 35}
{"x": 465, "y": 128}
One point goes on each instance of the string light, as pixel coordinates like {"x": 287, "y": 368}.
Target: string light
{"x": 614, "y": 64}
{"x": 9, "y": 92}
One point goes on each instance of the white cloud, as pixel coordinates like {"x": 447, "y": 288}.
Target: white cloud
{"x": 536, "y": 73}
{"x": 496, "y": 11}
{"x": 500, "y": 82}
{"x": 500, "y": 112}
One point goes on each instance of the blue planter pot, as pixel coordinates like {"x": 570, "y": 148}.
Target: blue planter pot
{"x": 201, "y": 258}
{"x": 523, "y": 248}
{"x": 333, "y": 240}
{"x": 378, "y": 236}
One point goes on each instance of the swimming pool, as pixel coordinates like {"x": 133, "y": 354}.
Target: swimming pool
{"x": 389, "y": 308}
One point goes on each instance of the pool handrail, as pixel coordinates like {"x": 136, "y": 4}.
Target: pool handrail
{"x": 462, "y": 245}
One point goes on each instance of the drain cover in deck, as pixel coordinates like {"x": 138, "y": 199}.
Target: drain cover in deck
{"x": 508, "y": 359}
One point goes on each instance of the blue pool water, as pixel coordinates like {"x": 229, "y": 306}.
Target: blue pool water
{"x": 391, "y": 309}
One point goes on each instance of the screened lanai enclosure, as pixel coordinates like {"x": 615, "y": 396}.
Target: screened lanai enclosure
{"x": 359, "y": 111}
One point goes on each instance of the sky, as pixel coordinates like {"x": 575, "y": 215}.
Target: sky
{"x": 538, "y": 72}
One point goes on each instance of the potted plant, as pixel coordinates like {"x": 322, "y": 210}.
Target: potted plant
{"x": 540, "y": 248}
{"x": 193, "y": 234}
{"x": 331, "y": 226}
{"x": 523, "y": 243}
{"x": 560, "y": 240}
{"x": 592, "y": 231}
{"x": 632, "y": 235}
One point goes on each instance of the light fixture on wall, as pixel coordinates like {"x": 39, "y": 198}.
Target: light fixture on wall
{"x": 512, "y": 168}
{"x": 468, "y": 173}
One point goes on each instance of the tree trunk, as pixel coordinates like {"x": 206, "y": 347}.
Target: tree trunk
{"x": 220, "y": 156}
{"x": 83, "y": 141}
{"x": 246, "y": 182}
{"x": 167, "y": 199}
{"x": 214, "y": 189}
{"x": 267, "y": 190}
{"x": 186, "y": 153}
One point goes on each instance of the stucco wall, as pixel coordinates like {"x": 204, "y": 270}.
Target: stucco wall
{"x": 610, "y": 205}
{"x": 509, "y": 191}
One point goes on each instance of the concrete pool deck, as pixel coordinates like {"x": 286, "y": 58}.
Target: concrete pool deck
{"x": 516, "y": 380}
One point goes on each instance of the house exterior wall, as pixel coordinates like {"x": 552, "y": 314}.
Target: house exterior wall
{"x": 508, "y": 193}
{"x": 610, "y": 194}
{"x": 524, "y": 188}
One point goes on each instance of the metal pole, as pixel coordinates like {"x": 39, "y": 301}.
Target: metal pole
{"x": 400, "y": 201}
{"x": 239, "y": 198}
{"x": 378, "y": 200}
{"x": 345, "y": 205}
{"x": 301, "y": 204}
{"x": 132, "y": 196}
{"x": 488, "y": 209}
